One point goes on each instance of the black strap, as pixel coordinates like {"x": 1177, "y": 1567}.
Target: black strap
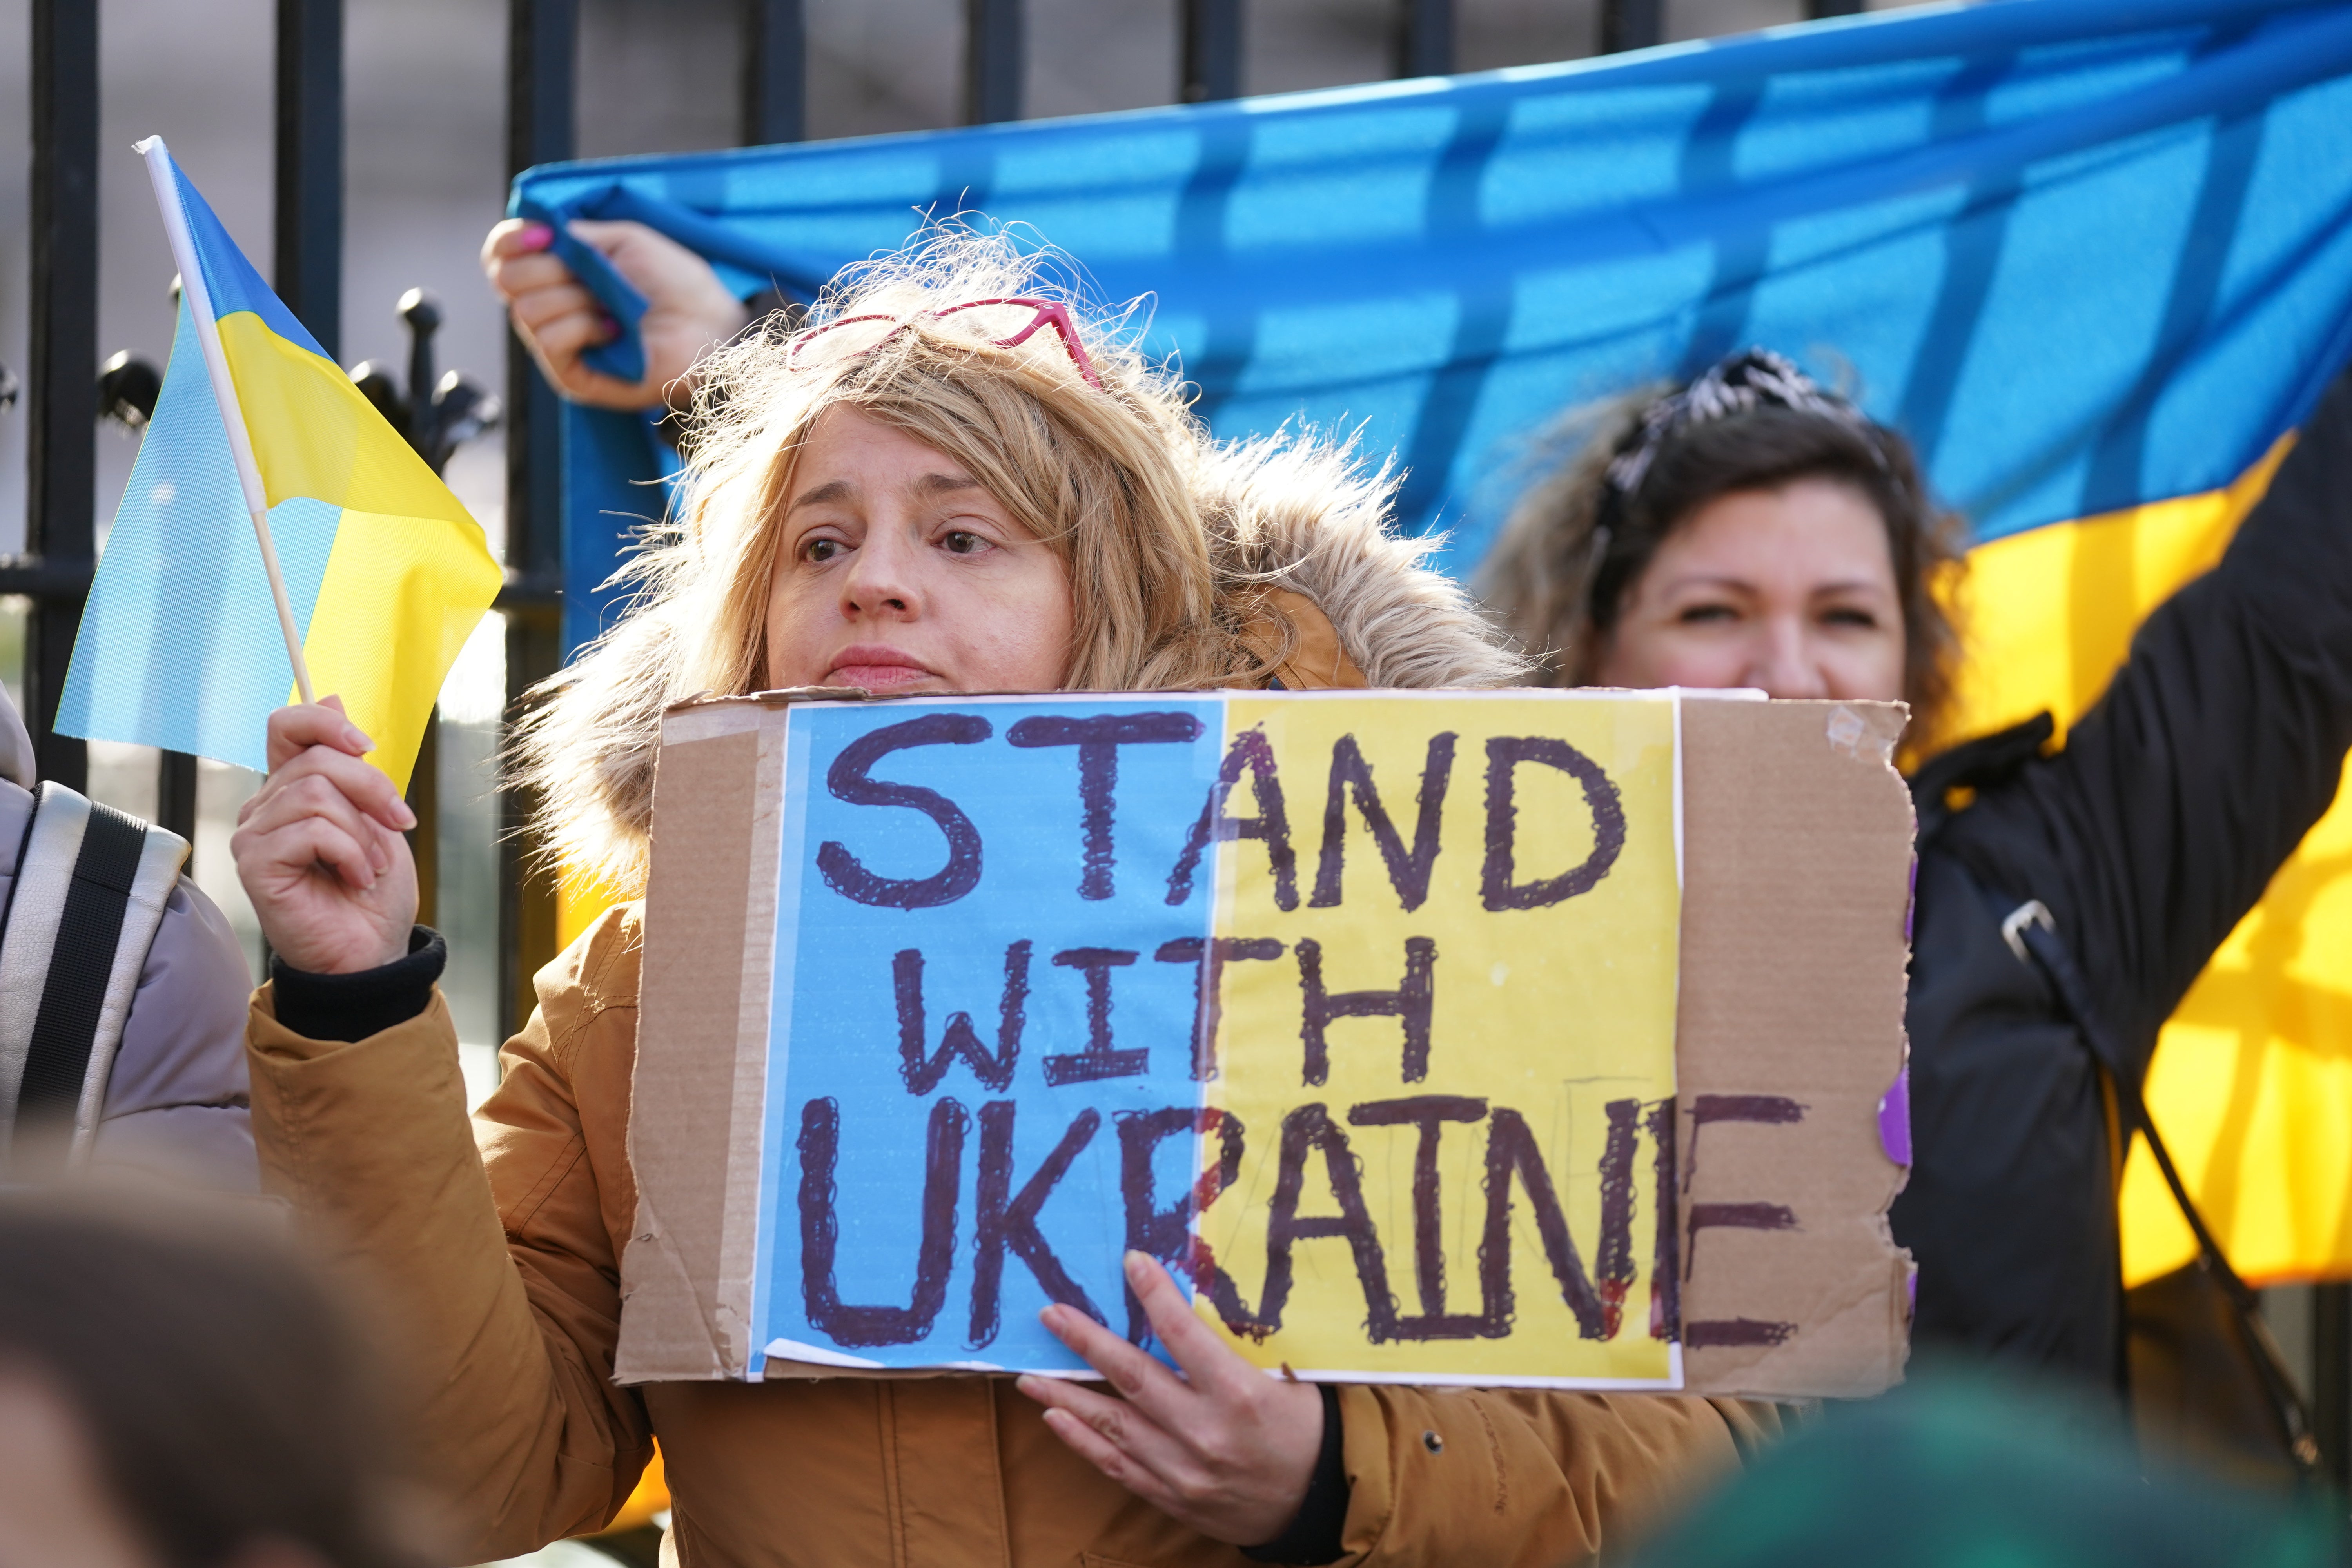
{"x": 2029, "y": 929}
{"x": 74, "y": 992}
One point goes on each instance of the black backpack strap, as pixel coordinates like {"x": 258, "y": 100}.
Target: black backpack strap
{"x": 2032, "y": 935}
{"x": 83, "y": 909}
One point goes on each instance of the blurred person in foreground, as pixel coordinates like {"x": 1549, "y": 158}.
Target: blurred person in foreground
{"x": 1752, "y": 528}
{"x": 1964, "y": 1471}
{"x": 176, "y": 1391}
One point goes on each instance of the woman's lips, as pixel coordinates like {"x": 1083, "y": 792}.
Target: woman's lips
{"x": 878, "y": 669}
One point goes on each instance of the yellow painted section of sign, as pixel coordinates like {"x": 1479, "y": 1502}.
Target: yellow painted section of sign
{"x": 1539, "y": 1018}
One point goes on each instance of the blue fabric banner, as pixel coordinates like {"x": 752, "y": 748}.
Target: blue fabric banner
{"x": 2087, "y": 252}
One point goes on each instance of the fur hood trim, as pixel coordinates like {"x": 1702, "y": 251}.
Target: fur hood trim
{"x": 1309, "y": 518}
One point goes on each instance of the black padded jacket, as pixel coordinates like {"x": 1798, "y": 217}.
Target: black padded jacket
{"x": 2177, "y": 797}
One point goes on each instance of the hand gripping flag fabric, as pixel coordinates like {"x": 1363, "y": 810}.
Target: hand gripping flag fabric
{"x": 2095, "y": 257}
{"x": 385, "y": 573}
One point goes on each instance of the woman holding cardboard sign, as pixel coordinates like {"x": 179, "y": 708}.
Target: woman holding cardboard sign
{"x": 945, "y": 483}
{"x": 1753, "y": 530}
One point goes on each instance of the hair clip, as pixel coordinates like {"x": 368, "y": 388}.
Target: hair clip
{"x": 1751, "y": 379}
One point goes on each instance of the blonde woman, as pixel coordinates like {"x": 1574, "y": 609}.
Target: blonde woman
{"x": 944, "y": 482}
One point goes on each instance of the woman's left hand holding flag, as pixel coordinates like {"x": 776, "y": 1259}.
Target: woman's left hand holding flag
{"x": 320, "y": 848}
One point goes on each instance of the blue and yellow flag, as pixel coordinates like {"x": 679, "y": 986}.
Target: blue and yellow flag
{"x": 383, "y": 573}
{"x": 2095, "y": 257}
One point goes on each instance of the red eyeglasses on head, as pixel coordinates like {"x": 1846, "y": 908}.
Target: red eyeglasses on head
{"x": 1043, "y": 313}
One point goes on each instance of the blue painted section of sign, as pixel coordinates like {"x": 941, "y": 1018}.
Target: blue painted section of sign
{"x": 888, "y": 870}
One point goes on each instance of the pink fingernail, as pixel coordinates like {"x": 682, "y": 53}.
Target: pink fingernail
{"x": 538, "y": 235}
{"x": 354, "y": 737}
{"x": 408, "y": 817}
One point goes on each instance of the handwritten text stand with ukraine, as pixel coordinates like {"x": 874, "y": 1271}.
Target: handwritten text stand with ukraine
{"x": 1358, "y": 1011}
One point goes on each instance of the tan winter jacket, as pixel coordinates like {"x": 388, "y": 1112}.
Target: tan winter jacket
{"x": 496, "y": 1250}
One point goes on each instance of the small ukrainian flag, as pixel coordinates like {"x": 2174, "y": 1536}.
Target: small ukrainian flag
{"x": 276, "y": 537}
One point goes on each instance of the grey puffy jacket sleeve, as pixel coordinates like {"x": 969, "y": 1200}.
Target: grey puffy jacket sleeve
{"x": 176, "y": 1103}
{"x": 177, "y": 1100}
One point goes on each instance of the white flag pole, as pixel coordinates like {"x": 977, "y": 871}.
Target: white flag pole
{"x": 240, "y": 444}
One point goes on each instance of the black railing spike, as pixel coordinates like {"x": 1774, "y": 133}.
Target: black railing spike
{"x": 128, "y": 387}
{"x": 381, "y": 386}
{"x": 434, "y": 422}
{"x": 461, "y": 411}
{"x": 421, "y": 314}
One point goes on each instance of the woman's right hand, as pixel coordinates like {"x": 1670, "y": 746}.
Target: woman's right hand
{"x": 689, "y": 311}
{"x": 320, "y": 851}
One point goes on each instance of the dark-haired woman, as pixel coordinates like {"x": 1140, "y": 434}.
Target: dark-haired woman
{"x": 1753, "y": 530}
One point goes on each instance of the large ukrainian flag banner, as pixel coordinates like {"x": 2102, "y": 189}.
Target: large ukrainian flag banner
{"x": 381, "y": 573}
{"x": 2094, "y": 256}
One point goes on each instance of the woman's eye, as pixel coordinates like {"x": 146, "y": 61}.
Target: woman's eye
{"x": 1851, "y": 617}
{"x": 822, "y": 550}
{"x": 1703, "y": 614}
{"x": 963, "y": 542}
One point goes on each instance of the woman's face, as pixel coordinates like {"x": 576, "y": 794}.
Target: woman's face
{"x": 1792, "y": 590}
{"x": 898, "y": 573}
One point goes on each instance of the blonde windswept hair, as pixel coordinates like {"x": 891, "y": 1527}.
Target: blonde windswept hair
{"x": 1168, "y": 537}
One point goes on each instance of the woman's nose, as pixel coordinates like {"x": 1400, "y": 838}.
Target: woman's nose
{"x": 884, "y": 576}
{"x": 1785, "y": 663}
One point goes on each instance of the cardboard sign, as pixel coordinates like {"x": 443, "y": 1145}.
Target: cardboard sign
{"x": 1359, "y": 1010}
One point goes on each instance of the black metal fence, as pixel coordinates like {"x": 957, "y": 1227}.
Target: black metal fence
{"x": 62, "y": 403}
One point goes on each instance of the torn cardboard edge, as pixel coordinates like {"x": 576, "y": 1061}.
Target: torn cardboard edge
{"x": 1790, "y": 1035}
